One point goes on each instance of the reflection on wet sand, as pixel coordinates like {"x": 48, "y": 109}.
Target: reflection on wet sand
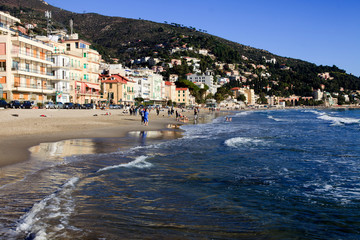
{"x": 54, "y": 153}
{"x": 62, "y": 149}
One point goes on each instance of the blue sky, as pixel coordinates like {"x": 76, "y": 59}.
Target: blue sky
{"x": 318, "y": 31}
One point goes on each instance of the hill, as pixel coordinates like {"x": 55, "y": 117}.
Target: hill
{"x": 125, "y": 39}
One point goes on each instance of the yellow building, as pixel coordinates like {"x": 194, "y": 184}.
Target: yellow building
{"x": 117, "y": 89}
{"x": 24, "y": 64}
{"x": 183, "y": 97}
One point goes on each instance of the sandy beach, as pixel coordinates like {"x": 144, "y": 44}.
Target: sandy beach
{"x": 24, "y": 128}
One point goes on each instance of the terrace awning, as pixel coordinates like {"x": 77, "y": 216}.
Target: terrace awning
{"x": 94, "y": 86}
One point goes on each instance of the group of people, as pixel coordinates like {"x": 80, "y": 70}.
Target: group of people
{"x": 144, "y": 113}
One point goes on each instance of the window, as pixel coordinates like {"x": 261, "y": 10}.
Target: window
{"x": 110, "y": 85}
{"x": 76, "y": 45}
{"x": 27, "y": 67}
{"x": 85, "y": 65}
{"x": 68, "y": 47}
{"x": 85, "y": 55}
{"x": 2, "y": 66}
{"x": 15, "y": 65}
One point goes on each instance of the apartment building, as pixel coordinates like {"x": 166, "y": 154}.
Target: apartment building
{"x": 170, "y": 91}
{"x": 247, "y": 92}
{"x": 183, "y": 97}
{"x": 157, "y": 87}
{"x": 84, "y": 64}
{"x": 61, "y": 72}
{"x": 207, "y": 79}
{"x": 117, "y": 89}
{"x": 24, "y": 64}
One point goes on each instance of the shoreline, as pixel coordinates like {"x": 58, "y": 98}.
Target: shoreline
{"x": 23, "y": 129}
{"x": 26, "y": 128}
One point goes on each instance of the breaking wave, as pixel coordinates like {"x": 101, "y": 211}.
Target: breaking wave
{"x": 336, "y": 121}
{"x": 139, "y": 162}
{"x": 56, "y": 207}
{"x": 245, "y": 113}
{"x": 276, "y": 119}
{"x": 243, "y": 141}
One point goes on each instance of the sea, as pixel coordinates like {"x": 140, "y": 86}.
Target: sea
{"x": 269, "y": 174}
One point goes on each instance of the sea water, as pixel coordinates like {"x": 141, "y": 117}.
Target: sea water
{"x": 285, "y": 174}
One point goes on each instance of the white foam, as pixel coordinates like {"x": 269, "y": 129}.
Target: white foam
{"x": 55, "y": 207}
{"x": 240, "y": 141}
{"x": 336, "y": 121}
{"x": 276, "y": 119}
{"x": 139, "y": 162}
{"x": 245, "y": 113}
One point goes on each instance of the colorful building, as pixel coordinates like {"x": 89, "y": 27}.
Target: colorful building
{"x": 117, "y": 89}
{"x": 183, "y": 97}
{"x": 24, "y": 64}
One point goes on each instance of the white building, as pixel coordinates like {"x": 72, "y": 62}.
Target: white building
{"x": 203, "y": 79}
{"x": 148, "y": 85}
{"x": 24, "y": 64}
{"x": 61, "y": 74}
{"x": 318, "y": 95}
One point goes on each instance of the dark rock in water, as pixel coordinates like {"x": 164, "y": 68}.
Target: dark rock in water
{"x": 30, "y": 236}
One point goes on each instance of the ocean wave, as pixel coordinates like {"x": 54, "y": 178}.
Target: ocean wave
{"x": 56, "y": 207}
{"x": 336, "y": 121}
{"x": 241, "y": 141}
{"x": 245, "y": 113}
{"x": 139, "y": 162}
{"x": 277, "y": 119}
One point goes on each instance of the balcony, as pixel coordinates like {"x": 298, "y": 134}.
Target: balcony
{"x": 89, "y": 93}
{"x": 30, "y": 56}
{"x": 33, "y": 72}
{"x": 33, "y": 88}
{"x": 57, "y": 65}
{"x": 61, "y": 78}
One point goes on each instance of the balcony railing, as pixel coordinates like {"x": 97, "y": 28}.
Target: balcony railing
{"x": 96, "y": 93}
{"x": 30, "y": 54}
{"x": 31, "y": 71}
{"x": 57, "y": 77}
{"x": 60, "y": 65}
{"x": 32, "y": 86}
{"x": 27, "y": 37}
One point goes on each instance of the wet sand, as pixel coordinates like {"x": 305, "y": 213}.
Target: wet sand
{"x": 24, "y": 128}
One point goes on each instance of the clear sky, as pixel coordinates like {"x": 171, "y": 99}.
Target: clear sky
{"x": 324, "y": 32}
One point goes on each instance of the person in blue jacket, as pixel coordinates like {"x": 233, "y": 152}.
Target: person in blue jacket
{"x": 146, "y": 117}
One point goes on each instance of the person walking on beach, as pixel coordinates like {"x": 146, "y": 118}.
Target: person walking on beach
{"x": 146, "y": 117}
{"x": 142, "y": 114}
